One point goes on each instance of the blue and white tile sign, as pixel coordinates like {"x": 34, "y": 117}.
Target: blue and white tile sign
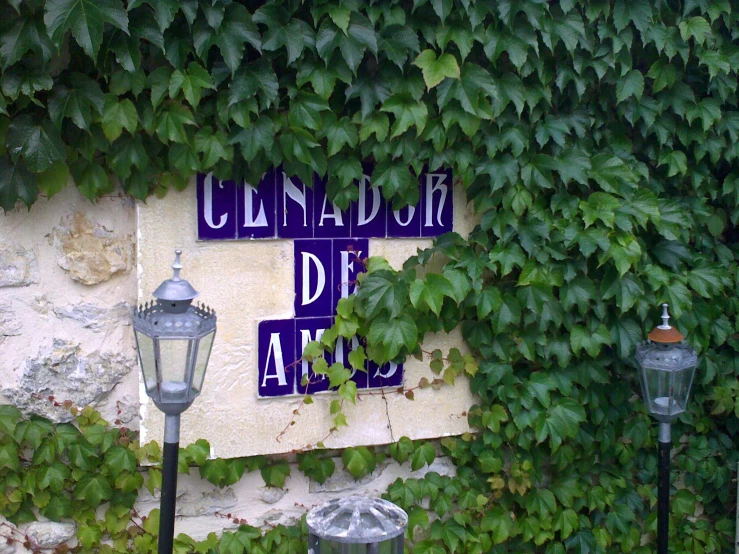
{"x": 329, "y": 246}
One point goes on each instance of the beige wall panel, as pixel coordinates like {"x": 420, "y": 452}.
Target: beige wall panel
{"x": 250, "y": 281}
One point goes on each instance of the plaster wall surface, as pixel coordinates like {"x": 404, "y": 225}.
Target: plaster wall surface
{"x": 250, "y": 281}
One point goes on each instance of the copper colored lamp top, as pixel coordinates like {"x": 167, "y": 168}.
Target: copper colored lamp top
{"x": 664, "y": 333}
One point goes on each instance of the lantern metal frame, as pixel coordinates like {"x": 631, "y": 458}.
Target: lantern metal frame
{"x": 147, "y": 320}
{"x": 172, "y": 318}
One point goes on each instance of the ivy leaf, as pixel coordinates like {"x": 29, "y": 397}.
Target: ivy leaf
{"x": 397, "y": 42}
{"x": 213, "y": 146}
{"x": 676, "y": 163}
{"x": 39, "y": 145}
{"x": 86, "y": 19}
{"x": 632, "y": 84}
{"x": 695, "y": 27}
{"x": 236, "y": 30}
{"x": 402, "y": 450}
{"x": 53, "y": 180}
{"x": 118, "y": 459}
{"x": 599, "y": 206}
{"x": 16, "y": 183}
{"x": 499, "y": 523}
{"x": 393, "y": 178}
{"x": 258, "y": 76}
{"x": 340, "y": 133}
{"x": 625, "y": 334}
{"x": 508, "y": 314}
{"x": 90, "y": 178}
{"x": 707, "y": 110}
{"x": 25, "y": 34}
{"x": 380, "y": 291}
{"x": 423, "y": 455}
{"x": 408, "y": 112}
{"x": 274, "y": 475}
{"x": 592, "y": 342}
{"x": 191, "y": 83}
{"x": 359, "y": 37}
{"x": 561, "y": 421}
{"x": 58, "y": 508}
{"x": 436, "y": 70}
{"x": 78, "y": 103}
{"x": 118, "y": 116}
{"x": 171, "y": 122}
{"x": 52, "y": 476}
{"x": 259, "y": 135}
{"x": 282, "y": 31}
{"x": 358, "y": 461}
{"x": 92, "y": 490}
{"x": 394, "y": 333}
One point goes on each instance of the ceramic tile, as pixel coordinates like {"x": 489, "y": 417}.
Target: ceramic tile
{"x": 405, "y": 222}
{"x": 294, "y": 207}
{"x": 389, "y": 375}
{"x": 257, "y": 211}
{"x": 369, "y": 212}
{"x": 217, "y": 212}
{"x": 276, "y": 354}
{"x": 313, "y": 277}
{"x": 437, "y": 211}
{"x": 347, "y": 256}
{"x": 307, "y": 330}
{"x": 341, "y": 354}
{"x": 328, "y": 220}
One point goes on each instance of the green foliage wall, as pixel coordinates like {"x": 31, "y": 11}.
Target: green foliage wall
{"x": 598, "y": 141}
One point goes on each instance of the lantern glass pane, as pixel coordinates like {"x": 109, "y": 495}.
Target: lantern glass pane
{"x": 174, "y": 357}
{"x": 147, "y": 359}
{"x": 682, "y": 385}
{"x": 201, "y": 363}
{"x": 664, "y": 389}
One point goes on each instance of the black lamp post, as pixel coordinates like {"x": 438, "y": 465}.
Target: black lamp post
{"x": 173, "y": 339}
{"x": 666, "y": 369}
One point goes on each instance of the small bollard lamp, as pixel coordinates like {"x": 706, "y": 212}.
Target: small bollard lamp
{"x": 666, "y": 369}
{"x": 356, "y": 525}
{"x": 173, "y": 339}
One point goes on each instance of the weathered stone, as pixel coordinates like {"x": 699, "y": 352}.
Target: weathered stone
{"x": 96, "y": 318}
{"x": 49, "y": 534}
{"x": 343, "y": 481}
{"x": 9, "y": 325}
{"x": 205, "y": 503}
{"x": 271, "y": 495}
{"x": 66, "y": 373}
{"x": 18, "y": 266}
{"x": 41, "y": 305}
{"x": 90, "y": 252}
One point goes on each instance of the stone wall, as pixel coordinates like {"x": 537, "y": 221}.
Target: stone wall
{"x": 67, "y": 288}
{"x": 69, "y": 278}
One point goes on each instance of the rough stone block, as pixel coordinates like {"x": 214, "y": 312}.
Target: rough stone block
{"x": 49, "y": 534}
{"x": 94, "y": 317}
{"x": 67, "y": 373}
{"x": 89, "y": 252}
{"x": 18, "y": 266}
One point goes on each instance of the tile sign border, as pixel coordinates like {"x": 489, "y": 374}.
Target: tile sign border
{"x": 329, "y": 245}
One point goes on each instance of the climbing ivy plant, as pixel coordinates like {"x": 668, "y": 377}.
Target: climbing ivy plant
{"x": 597, "y": 142}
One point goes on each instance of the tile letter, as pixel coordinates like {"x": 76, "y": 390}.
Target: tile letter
{"x": 216, "y": 200}
{"x": 276, "y": 351}
{"x": 312, "y": 278}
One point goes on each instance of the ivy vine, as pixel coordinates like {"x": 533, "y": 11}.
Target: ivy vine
{"x": 597, "y": 141}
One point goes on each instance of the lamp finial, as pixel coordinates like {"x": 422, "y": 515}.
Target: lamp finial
{"x": 665, "y": 318}
{"x": 177, "y": 266}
